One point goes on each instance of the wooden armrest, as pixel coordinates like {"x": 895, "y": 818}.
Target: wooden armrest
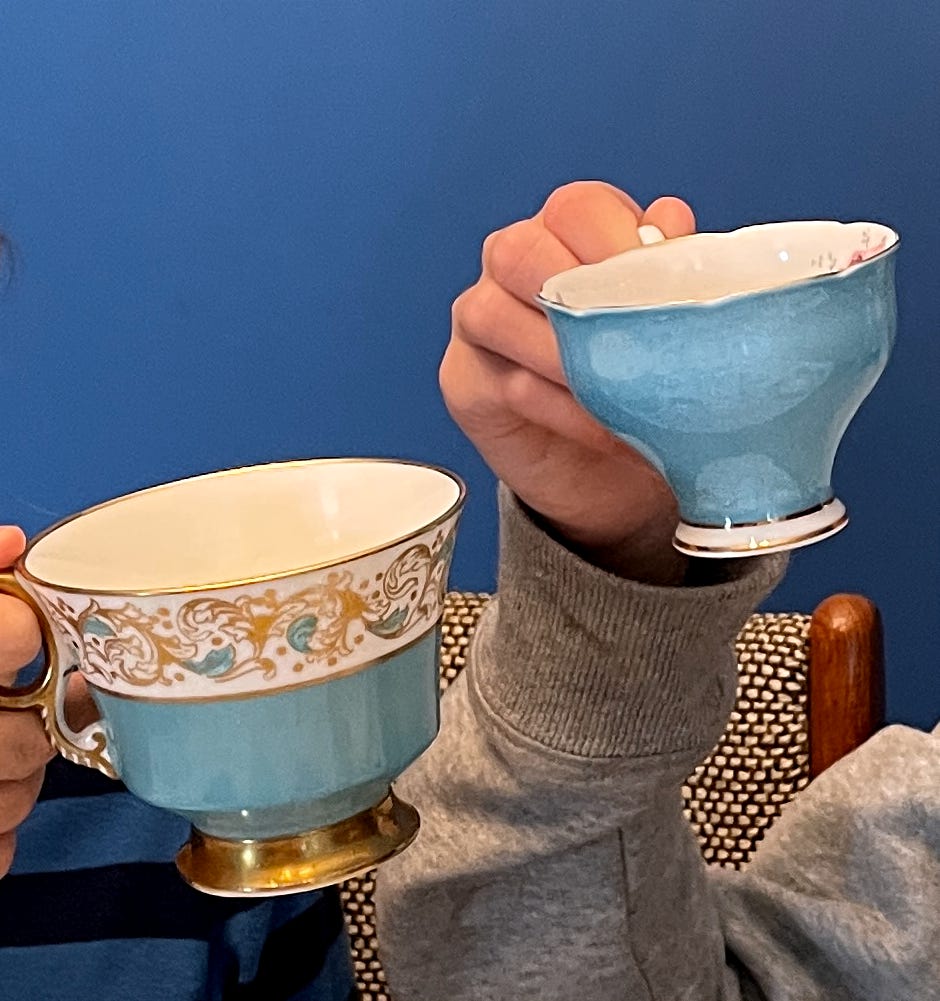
{"x": 846, "y": 678}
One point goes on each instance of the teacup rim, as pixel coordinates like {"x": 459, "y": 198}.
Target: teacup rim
{"x": 684, "y": 304}
{"x": 19, "y": 565}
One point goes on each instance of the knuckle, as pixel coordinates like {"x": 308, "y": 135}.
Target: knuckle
{"x": 487, "y": 251}
{"x": 474, "y": 313}
{"x": 454, "y": 383}
{"x": 517, "y": 389}
{"x": 506, "y": 247}
{"x": 445, "y": 373}
{"x": 467, "y": 394}
{"x": 458, "y": 310}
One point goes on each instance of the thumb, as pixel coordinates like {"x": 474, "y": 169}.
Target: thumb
{"x": 672, "y": 216}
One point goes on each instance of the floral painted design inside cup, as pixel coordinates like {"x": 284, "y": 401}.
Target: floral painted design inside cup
{"x": 734, "y": 362}
{"x": 262, "y": 645}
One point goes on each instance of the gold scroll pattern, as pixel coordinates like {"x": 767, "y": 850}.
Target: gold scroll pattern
{"x": 262, "y": 632}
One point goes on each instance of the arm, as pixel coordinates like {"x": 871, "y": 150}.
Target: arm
{"x": 553, "y": 790}
{"x": 554, "y": 860}
{"x": 841, "y": 901}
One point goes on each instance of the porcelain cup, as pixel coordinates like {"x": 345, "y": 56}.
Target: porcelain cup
{"x": 262, "y": 645}
{"x": 734, "y": 362}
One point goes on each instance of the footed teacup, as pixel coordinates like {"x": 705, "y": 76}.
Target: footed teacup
{"x": 734, "y": 362}
{"x": 262, "y": 645}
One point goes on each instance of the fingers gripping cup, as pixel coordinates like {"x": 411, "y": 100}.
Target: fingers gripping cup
{"x": 734, "y": 362}
{"x": 262, "y": 645}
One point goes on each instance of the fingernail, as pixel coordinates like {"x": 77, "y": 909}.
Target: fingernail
{"x": 650, "y": 234}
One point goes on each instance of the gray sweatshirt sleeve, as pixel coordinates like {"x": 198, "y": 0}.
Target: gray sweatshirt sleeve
{"x": 554, "y": 861}
{"x": 842, "y": 900}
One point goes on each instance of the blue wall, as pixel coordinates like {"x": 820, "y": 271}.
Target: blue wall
{"x": 240, "y": 227}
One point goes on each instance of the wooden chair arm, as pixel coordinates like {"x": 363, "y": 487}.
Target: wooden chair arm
{"x": 846, "y": 678}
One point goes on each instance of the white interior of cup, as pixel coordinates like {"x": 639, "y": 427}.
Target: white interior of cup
{"x": 242, "y": 524}
{"x": 709, "y": 267}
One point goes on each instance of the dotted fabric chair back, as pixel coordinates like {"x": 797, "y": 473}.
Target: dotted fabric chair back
{"x": 732, "y": 798}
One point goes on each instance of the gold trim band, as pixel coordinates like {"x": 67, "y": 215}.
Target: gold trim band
{"x": 748, "y": 549}
{"x": 760, "y": 524}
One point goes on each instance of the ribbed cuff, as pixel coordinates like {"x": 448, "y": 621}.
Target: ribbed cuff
{"x": 590, "y": 664}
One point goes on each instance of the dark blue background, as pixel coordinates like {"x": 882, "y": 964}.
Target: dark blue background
{"x": 240, "y": 227}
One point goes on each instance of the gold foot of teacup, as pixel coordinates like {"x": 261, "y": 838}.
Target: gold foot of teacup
{"x": 762, "y": 537}
{"x": 321, "y": 857}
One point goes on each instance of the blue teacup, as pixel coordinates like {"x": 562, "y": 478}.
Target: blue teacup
{"x": 734, "y": 362}
{"x": 262, "y": 645}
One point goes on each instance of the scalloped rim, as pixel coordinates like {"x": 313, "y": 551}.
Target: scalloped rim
{"x": 553, "y": 305}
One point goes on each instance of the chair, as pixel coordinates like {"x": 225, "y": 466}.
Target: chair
{"x": 811, "y": 689}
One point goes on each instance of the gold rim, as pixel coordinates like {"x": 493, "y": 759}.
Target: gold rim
{"x": 747, "y": 550}
{"x": 307, "y": 861}
{"x": 760, "y": 524}
{"x": 453, "y": 510}
{"x": 236, "y": 696}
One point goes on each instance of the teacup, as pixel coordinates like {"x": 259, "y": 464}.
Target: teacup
{"x": 734, "y": 362}
{"x": 262, "y": 645}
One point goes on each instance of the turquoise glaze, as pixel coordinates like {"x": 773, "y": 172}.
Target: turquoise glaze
{"x": 271, "y": 765}
{"x": 740, "y": 402}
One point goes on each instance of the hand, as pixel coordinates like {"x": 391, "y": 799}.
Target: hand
{"x": 24, "y": 749}
{"x": 503, "y": 383}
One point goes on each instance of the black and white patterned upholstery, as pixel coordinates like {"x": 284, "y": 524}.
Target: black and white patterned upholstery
{"x": 760, "y": 763}
{"x": 762, "y": 759}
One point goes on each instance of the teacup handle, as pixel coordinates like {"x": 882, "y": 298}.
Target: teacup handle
{"x": 47, "y": 694}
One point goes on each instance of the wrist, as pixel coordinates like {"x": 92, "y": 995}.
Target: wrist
{"x": 593, "y": 665}
{"x": 638, "y": 560}
{"x": 645, "y": 555}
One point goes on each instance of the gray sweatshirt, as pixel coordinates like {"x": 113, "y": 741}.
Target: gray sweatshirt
{"x": 554, "y": 860}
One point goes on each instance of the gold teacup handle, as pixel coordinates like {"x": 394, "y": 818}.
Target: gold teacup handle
{"x": 47, "y": 694}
